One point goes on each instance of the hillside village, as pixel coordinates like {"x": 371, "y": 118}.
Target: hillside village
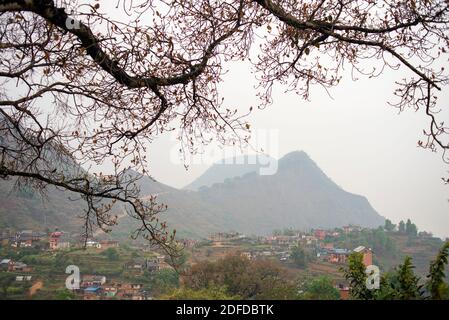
{"x": 36, "y": 248}
{"x": 35, "y": 262}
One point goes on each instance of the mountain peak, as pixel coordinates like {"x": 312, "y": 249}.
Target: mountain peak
{"x": 297, "y": 155}
{"x": 297, "y": 159}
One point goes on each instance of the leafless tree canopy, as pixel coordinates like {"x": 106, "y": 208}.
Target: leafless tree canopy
{"x": 80, "y": 87}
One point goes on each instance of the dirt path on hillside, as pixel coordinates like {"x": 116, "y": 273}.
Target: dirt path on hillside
{"x": 37, "y": 286}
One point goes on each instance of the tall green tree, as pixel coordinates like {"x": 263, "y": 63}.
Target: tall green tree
{"x": 408, "y": 283}
{"x": 111, "y": 254}
{"x": 163, "y": 281}
{"x": 402, "y": 283}
{"x": 320, "y": 288}
{"x": 401, "y": 227}
{"x": 410, "y": 228}
{"x": 355, "y": 273}
{"x": 389, "y": 226}
{"x": 299, "y": 257}
{"x": 437, "y": 287}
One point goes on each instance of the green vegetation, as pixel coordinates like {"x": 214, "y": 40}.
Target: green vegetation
{"x": 258, "y": 279}
{"x": 319, "y": 288}
{"x": 401, "y": 227}
{"x": 163, "y": 281}
{"x": 356, "y": 276}
{"x": 402, "y": 283}
{"x": 210, "y": 293}
{"x": 64, "y": 294}
{"x": 49, "y": 268}
{"x": 437, "y": 287}
{"x": 18, "y": 254}
{"x": 411, "y": 229}
{"x": 299, "y": 257}
{"x": 6, "y": 281}
{"x": 389, "y": 226}
{"x": 408, "y": 282}
{"x": 284, "y": 232}
{"x": 206, "y": 270}
{"x": 111, "y": 254}
{"x": 11, "y": 289}
{"x": 377, "y": 239}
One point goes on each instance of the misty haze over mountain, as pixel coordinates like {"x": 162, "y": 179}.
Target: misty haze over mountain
{"x": 227, "y": 197}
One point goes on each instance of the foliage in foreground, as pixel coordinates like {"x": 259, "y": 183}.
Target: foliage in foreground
{"x": 319, "y": 288}
{"x": 210, "y": 293}
{"x": 249, "y": 279}
{"x": 402, "y": 283}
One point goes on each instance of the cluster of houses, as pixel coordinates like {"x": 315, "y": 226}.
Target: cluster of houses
{"x": 32, "y": 239}
{"x": 324, "y": 252}
{"x": 96, "y": 287}
{"x": 141, "y": 265}
{"x": 9, "y": 265}
{"x": 225, "y": 236}
{"x": 320, "y": 242}
{"x": 188, "y": 243}
{"x": 102, "y": 244}
{"x": 91, "y": 286}
{"x": 56, "y": 240}
{"x": 21, "y": 239}
{"x": 311, "y": 237}
{"x": 257, "y": 254}
{"x": 59, "y": 240}
{"x": 367, "y": 253}
{"x": 281, "y": 245}
{"x": 52, "y": 241}
{"x": 340, "y": 256}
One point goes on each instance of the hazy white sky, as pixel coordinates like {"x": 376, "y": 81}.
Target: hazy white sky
{"x": 358, "y": 140}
